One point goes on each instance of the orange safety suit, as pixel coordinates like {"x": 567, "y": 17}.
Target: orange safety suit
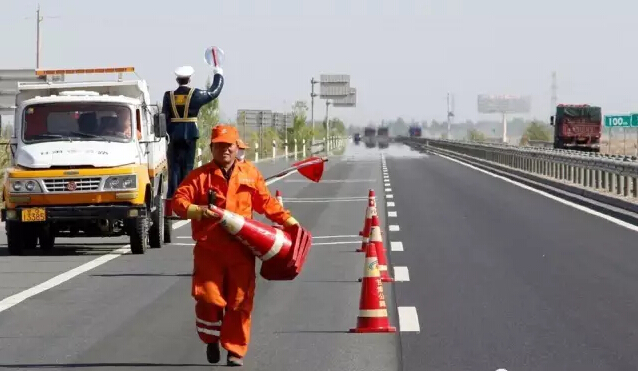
{"x": 224, "y": 269}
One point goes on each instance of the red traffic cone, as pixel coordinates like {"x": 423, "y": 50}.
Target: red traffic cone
{"x": 373, "y": 313}
{"x": 377, "y": 241}
{"x": 370, "y": 211}
{"x": 283, "y": 252}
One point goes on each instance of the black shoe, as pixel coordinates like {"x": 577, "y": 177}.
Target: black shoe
{"x": 213, "y": 352}
{"x": 234, "y": 360}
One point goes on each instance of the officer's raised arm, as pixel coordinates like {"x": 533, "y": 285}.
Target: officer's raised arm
{"x": 202, "y": 97}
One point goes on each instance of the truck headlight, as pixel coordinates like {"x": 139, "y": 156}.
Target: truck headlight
{"x": 120, "y": 182}
{"x": 25, "y": 186}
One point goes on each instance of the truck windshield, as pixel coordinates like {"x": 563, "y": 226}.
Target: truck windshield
{"x": 369, "y": 132}
{"x": 383, "y": 132}
{"x": 76, "y": 121}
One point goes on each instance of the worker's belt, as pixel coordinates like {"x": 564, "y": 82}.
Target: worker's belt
{"x": 180, "y": 119}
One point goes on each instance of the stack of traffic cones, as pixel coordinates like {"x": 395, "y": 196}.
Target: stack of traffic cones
{"x": 376, "y": 242}
{"x": 373, "y": 313}
{"x": 371, "y": 210}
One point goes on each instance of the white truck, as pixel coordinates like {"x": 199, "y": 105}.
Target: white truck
{"x": 88, "y": 159}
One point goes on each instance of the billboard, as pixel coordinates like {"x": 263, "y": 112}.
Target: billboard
{"x": 334, "y": 86}
{"x": 504, "y": 103}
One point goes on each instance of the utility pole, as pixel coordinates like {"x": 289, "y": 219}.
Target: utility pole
{"x": 450, "y": 114}
{"x": 312, "y": 107}
{"x": 38, "y": 19}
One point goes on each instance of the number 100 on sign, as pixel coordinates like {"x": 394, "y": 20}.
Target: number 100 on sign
{"x": 618, "y": 121}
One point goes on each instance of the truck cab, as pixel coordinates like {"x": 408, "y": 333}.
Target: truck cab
{"x": 88, "y": 159}
{"x": 383, "y": 137}
{"x": 369, "y": 137}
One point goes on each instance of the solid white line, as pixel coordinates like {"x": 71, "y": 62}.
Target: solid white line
{"x": 324, "y": 198}
{"x": 389, "y": 196}
{"x": 394, "y": 228}
{"x": 392, "y": 214}
{"x": 388, "y": 189}
{"x": 401, "y": 274}
{"x": 12, "y": 300}
{"x": 390, "y": 204}
{"x": 396, "y": 246}
{"x": 338, "y": 236}
{"x": 408, "y": 319}
{"x": 337, "y": 243}
{"x": 555, "y": 198}
{"x": 183, "y": 243}
{"x": 328, "y": 200}
{"x": 332, "y": 181}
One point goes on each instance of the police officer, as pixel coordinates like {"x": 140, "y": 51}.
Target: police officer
{"x": 181, "y": 108}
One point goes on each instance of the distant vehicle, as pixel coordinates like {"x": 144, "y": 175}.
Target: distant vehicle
{"x": 577, "y": 127}
{"x": 369, "y": 137}
{"x": 357, "y": 138}
{"x": 383, "y": 137}
{"x": 414, "y": 131}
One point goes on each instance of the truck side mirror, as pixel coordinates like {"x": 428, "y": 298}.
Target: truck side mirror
{"x": 159, "y": 125}
{"x": 551, "y": 120}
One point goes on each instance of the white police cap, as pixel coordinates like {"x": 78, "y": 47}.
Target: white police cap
{"x": 184, "y": 71}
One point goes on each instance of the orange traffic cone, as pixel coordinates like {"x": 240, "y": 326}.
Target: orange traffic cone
{"x": 377, "y": 241}
{"x": 370, "y": 211}
{"x": 373, "y": 313}
{"x": 281, "y": 202}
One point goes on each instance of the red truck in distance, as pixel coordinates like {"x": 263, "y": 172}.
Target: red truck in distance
{"x": 577, "y": 127}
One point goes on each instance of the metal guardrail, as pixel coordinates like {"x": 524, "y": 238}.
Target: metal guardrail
{"x": 610, "y": 176}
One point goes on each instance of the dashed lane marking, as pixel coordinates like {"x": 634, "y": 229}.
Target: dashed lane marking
{"x": 408, "y": 319}
{"x": 388, "y": 189}
{"x": 390, "y": 204}
{"x": 389, "y": 196}
{"x": 15, "y": 299}
{"x": 401, "y": 274}
{"x": 394, "y": 228}
{"x": 392, "y": 214}
{"x": 396, "y": 246}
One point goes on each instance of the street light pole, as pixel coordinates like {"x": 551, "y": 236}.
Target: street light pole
{"x": 312, "y": 107}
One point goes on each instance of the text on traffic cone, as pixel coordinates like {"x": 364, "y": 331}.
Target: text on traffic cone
{"x": 373, "y": 313}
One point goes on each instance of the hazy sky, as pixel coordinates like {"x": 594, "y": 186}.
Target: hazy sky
{"x": 402, "y": 59}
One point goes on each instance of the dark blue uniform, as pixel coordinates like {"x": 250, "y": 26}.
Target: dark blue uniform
{"x": 181, "y": 108}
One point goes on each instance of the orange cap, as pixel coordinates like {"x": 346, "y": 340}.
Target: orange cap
{"x": 224, "y": 134}
{"x": 241, "y": 144}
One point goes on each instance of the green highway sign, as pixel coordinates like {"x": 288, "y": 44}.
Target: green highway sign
{"x": 621, "y": 121}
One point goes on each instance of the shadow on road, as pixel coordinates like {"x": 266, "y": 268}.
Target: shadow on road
{"x": 65, "y": 249}
{"x": 78, "y": 365}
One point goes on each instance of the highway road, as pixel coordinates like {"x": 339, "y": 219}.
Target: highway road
{"x": 489, "y": 275}
{"x": 135, "y": 311}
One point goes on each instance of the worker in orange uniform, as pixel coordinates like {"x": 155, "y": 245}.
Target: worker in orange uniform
{"x": 241, "y": 153}
{"x": 224, "y": 269}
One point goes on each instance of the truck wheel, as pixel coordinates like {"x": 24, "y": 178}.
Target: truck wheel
{"x": 18, "y": 238}
{"x": 47, "y": 238}
{"x": 156, "y": 232}
{"x": 168, "y": 230}
{"x": 139, "y": 235}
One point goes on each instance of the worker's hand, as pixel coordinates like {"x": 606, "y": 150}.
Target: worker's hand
{"x": 198, "y": 212}
{"x": 290, "y": 222}
{"x": 207, "y": 213}
{"x": 218, "y": 70}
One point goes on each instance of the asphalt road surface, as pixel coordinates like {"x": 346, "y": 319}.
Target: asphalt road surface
{"x": 489, "y": 276}
{"x": 506, "y": 278}
{"x": 135, "y": 312}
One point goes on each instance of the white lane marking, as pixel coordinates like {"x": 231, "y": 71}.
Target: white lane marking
{"x": 15, "y": 299}
{"x": 392, "y": 214}
{"x": 386, "y": 177}
{"x": 387, "y": 184}
{"x": 332, "y": 181}
{"x": 389, "y": 196}
{"x": 555, "y": 198}
{"x": 396, "y": 246}
{"x": 408, "y": 319}
{"x": 388, "y": 189}
{"x": 183, "y": 243}
{"x": 326, "y": 200}
{"x": 390, "y": 204}
{"x": 394, "y": 228}
{"x": 338, "y": 236}
{"x": 401, "y": 274}
{"x": 337, "y": 243}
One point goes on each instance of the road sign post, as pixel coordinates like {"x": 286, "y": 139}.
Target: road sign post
{"x": 336, "y": 88}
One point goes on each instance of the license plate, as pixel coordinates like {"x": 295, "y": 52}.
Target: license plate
{"x": 34, "y": 215}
